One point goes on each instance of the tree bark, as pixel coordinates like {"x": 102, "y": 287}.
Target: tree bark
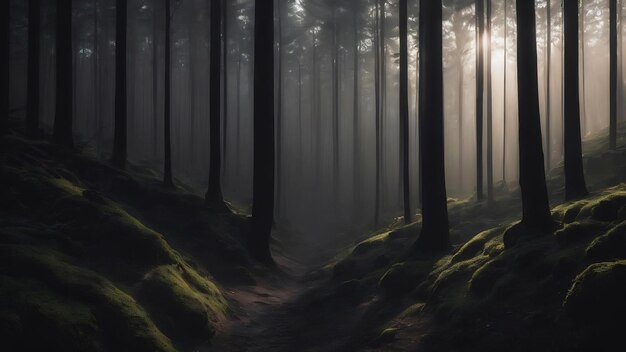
{"x": 62, "y": 133}
{"x": 613, "y": 74}
{"x": 490, "y": 196}
{"x": 263, "y": 183}
{"x": 480, "y": 77}
{"x": 377, "y": 119}
{"x": 535, "y": 207}
{"x": 575, "y": 187}
{"x": 167, "y": 142}
{"x": 213, "y": 195}
{"x": 120, "y": 132}
{"x": 34, "y": 16}
{"x": 404, "y": 110}
{"x": 5, "y": 49}
{"x": 548, "y": 85}
{"x": 279, "y": 114}
{"x": 505, "y": 66}
{"x": 435, "y": 229}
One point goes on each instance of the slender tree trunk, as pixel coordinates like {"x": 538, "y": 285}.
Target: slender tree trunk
{"x": 5, "y": 53}
{"x": 34, "y": 15}
{"x": 214, "y": 196}
{"x": 225, "y": 83}
{"x": 336, "y": 78}
{"x": 120, "y": 134}
{"x": 356, "y": 180}
{"x": 64, "y": 100}
{"x": 461, "y": 102}
{"x": 480, "y": 77}
{"x": 155, "y": 80}
{"x": 574, "y": 176}
{"x": 504, "y": 117}
{"x": 238, "y": 119}
{"x": 377, "y": 89}
{"x": 490, "y": 195}
{"x": 263, "y": 194}
{"x": 96, "y": 78}
{"x": 613, "y": 74}
{"x": 279, "y": 114}
{"x": 435, "y": 229}
{"x": 167, "y": 142}
{"x": 549, "y": 86}
{"x": 535, "y": 207}
{"x": 404, "y": 109}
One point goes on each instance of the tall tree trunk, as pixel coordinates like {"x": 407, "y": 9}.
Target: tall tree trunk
{"x": 548, "y": 85}
{"x": 535, "y": 207}
{"x": 225, "y": 83}
{"x": 490, "y": 195}
{"x": 155, "y": 80}
{"x": 377, "y": 88}
{"x": 480, "y": 77}
{"x": 583, "y": 75}
{"x": 120, "y": 133}
{"x": 435, "y": 229}
{"x": 96, "y": 77}
{"x": 263, "y": 193}
{"x": 356, "y": 180}
{"x": 613, "y": 75}
{"x": 279, "y": 114}
{"x": 238, "y": 119}
{"x": 336, "y": 78}
{"x": 167, "y": 141}
{"x": 213, "y": 195}
{"x": 505, "y": 66}
{"x": 34, "y": 15}
{"x": 574, "y": 176}
{"x": 404, "y": 109}
{"x": 5, "y": 52}
{"x": 64, "y": 100}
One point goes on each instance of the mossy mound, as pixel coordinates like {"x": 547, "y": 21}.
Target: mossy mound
{"x": 78, "y": 272}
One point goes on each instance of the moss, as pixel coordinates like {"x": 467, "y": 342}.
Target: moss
{"x": 611, "y": 245}
{"x": 577, "y": 231}
{"x": 597, "y": 295}
{"x": 188, "y": 304}
{"x": 485, "y": 278}
{"x": 122, "y": 321}
{"x": 385, "y": 337}
{"x": 401, "y": 278}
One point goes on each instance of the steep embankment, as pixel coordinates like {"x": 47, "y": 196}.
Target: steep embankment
{"x": 80, "y": 272}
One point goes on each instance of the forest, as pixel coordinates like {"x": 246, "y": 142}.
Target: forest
{"x": 312, "y": 175}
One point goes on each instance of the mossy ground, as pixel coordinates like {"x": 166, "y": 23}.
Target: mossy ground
{"x": 82, "y": 267}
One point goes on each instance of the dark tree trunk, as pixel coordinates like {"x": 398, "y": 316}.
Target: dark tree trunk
{"x": 535, "y": 207}
{"x": 377, "y": 89}
{"x": 120, "y": 132}
{"x": 574, "y": 175}
{"x": 548, "y": 85}
{"x": 97, "y": 111}
{"x": 613, "y": 74}
{"x": 356, "y": 155}
{"x": 167, "y": 142}
{"x": 63, "y": 115}
{"x": 5, "y": 33}
{"x": 480, "y": 83}
{"x": 263, "y": 180}
{"x": 490, "y": 195}
{"x": 225, "y": 83}
{"x": 435, "y": 229}
{"x": 34, "y": 15}
{"x": 279, "y": 114}
{"x": 214, "y": 193}
{"x": 155, "y": 80}
{"x": 504, "y": 117}
{"x": 404, "y": 109}
{"x": 335, "y": 68}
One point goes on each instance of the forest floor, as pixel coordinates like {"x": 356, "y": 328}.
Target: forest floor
{"x": 96, "y": 259}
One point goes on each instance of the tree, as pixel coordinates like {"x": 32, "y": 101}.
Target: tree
{"x": 480, "y": 84}
{"x": 5, "y": 33}
{"x": 377, "y": 88}
{"x": 63, "y": 115}
{"x": 435, "y": 228}
{"x": 120, "y": 130}
{"x": 404, "y": 109}
{"x": 535, "y": 207}
{"x": 167, "y": 143}
{"x": 574, "y": 175}
{"x": 279, "y": 112}
{"x": 504, "y": 75}
{"x": 32, "y": 114}
{"x": 263, "y": 178}
{"x": 548, "y": 85}
{"x": 356, "y": 156}
{"x": 214, "y": 193}
{"x": 489, "y": 107}
{"x": 613, "y": 74}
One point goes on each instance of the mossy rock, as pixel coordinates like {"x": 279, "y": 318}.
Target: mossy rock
{"x": 577, "y": 231}
{"x": 612, "y": 245}
{"x": 385, "y": 337}
{"x": 344, "y": 269}
{"x": 487, "y": 276}
{"x": 604, "y": 211}
{"x": 402, "y": 278}
{"x": 596, "y": 297}
{"x": 188, "y": 305}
